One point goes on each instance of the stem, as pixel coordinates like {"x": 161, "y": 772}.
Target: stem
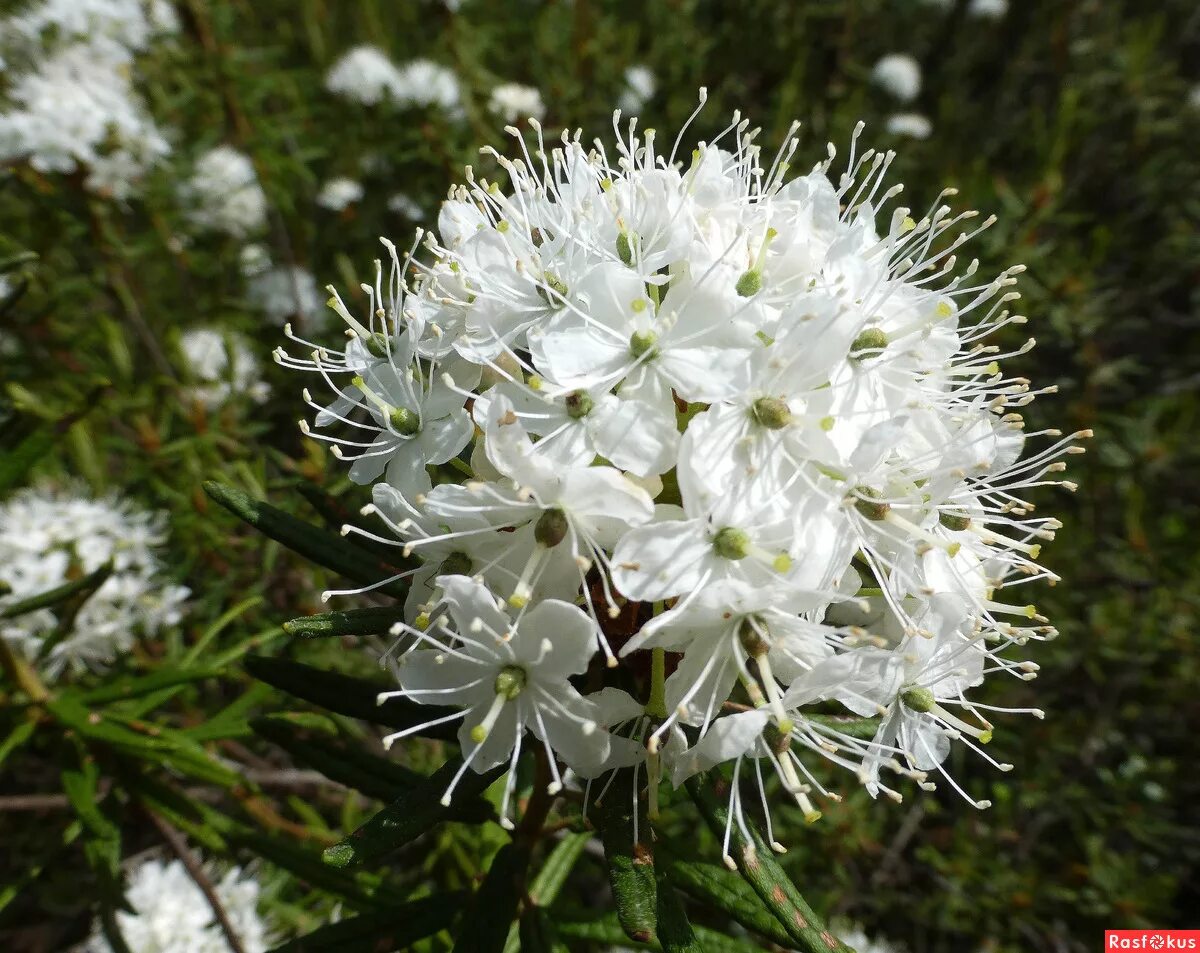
{"x": 196, "y": 872}
{"x": 22, "y": 673}
{"x": 657, "y": 706}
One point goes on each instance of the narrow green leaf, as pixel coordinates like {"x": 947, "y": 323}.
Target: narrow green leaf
{"x": 380, "y": 932}
{"x": 371, "y": 621}
{"x": 126, "y": 688}
{"x": 324, "y": 548}
{"x": 16, "y": 463}
{"x": 339, "y": 761}
{"x": 83, "y": 586}
{"x": 718, "y": 887}
{"x": 536, "y": 934}
{"x": 630, "y": 860}
{"x": 414, "y": 813}
{"x": 15, "y": 738}
{"x": 485, "y": 925}
{"x": 675, "y": 933}
{"x": 607, "y": 931}
{"x": 554, "y": 872}
{"x": 756, "y": 863}
{"x": 102, "y": 836}
{"x": 346, "y": 695}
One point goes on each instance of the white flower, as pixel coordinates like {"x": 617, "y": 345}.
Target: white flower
{"x": 513, "y": 102}
{"x": 283, "y": 293}
{"x": 337, "y": 194}
{"x": 912, "y": 125}
{"x": 856, "y": 938}
{"x": 222, "y": 366}
{"x": 508, "y": 675}
{"x": 172, "y": 915}
{"x": 742, "y": 416}
{"x": 403, "y": 204}
{"x": 129, "y": 24}
{"x": 988, "y": 9}
{"x": 639, "y": 89}
{"x": 426, "y": 83}
{"x": 899, "y": 75}
{"x": 79, "y": 109}
{"x": 49, "y": 538}
{"x": 223, "y": 193}
{"x": 365, "y": 75}
{"x": 253, "y": 259}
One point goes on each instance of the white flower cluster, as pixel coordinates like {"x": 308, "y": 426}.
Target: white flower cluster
{"x": 223, "y": 193}
{"x": 221, "y": 365}
{"x": 899, "y": 75}
{"x": 745, "y": 421}
{"x": 512, "y": 102}
{"x": 48, "y": 539}
{"x": 638, "y": 90}
{"x": 339, "y": 193}
{"x": 283, "y": 292}
{"x": 368, "y": 76}
{"x": 171, "y": 914}
{"x": 72, "y": 105}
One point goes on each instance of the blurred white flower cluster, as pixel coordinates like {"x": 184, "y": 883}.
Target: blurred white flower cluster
{"x": 49, "y": 538}
{"x": 899, "y": 75}
{"x": 340, "y": 193}
{"x": 512, "y": 101}
{"x": 171, "y": 914}
{"x": 223, "y": 194}
{"x": 368, "y": 76}
{"x": 693, "y": 403}
{"x": 221, "y": 365}
{"x": 72, "y": 103}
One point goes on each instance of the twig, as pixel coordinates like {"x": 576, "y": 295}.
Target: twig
{"x": 201, "y": 879}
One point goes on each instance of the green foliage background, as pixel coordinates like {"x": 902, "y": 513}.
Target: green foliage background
{"x": 1070, "y": 120}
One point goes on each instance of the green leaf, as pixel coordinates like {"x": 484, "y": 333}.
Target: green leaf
{"x": 102, "y": 836}
{"x": 16, "y": 463}
{"x": 756, "y": 863}
{"x": 718, "y": 887}
{"x": 154, "y": 743}
{"x": 346, "y": 695}
{"x": 315, "y": 544}
{"x": 381, "y": 932}
{"x": 675, "y": 933}
{"x": 83, "y": 586}
{"x": 550, "y": 879}
{"x": 339, "y": 761}
{"x": 485, "y": 925}
{"x": 127, "y": 688}
{"x": 15, "y": 738}
{"x": 415, "y": 813}
{"x": 536, "y": 934}
{"x": 370, "y": 621}
{"x": 607, "y": 931}
{"x": 630, "y": 860}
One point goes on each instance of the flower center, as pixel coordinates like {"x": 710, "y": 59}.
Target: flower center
{"x": 732, "y": 543}
{"x": 643, "y": 342}
{"x": 456, "y": 564}
{"x": 551, "y": 528}
{"x": 579, "y": 404}
{"x": 868, "y": 343}
{"x": 510, "y": 681}
{"x": 404, "y": 421}
{"x": 771, "y": 412}
{"x": 867, "y": 500}
{"x": 918, "y": 699}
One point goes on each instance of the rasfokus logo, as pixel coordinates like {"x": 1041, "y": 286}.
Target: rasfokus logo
{"x": 1152, "y": 940}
